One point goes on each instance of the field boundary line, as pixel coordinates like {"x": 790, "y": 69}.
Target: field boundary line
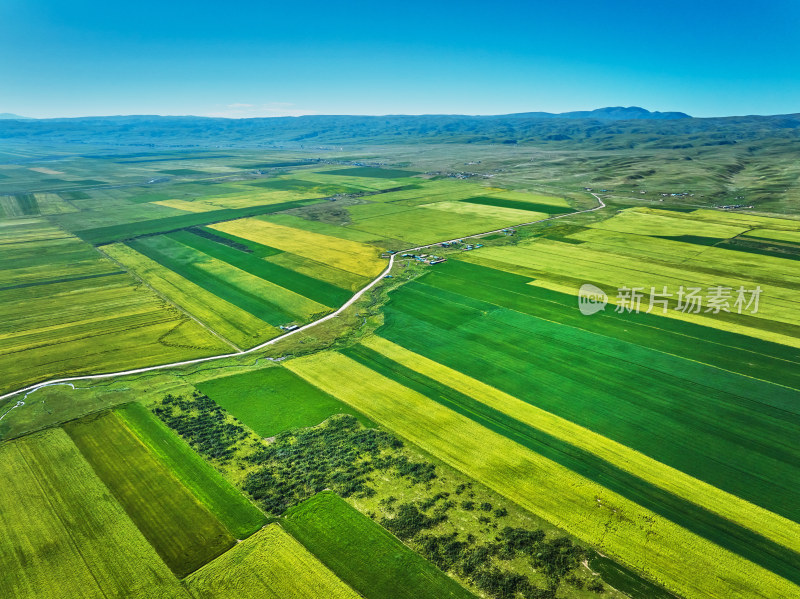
{"x": 350, "y": 302}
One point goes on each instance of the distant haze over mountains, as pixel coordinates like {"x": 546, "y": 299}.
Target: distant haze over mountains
{"x": 611, "y": 113}
{"x": 606, "y": 128}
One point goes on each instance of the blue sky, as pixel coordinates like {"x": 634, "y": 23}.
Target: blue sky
{"x": 244, "y": 58}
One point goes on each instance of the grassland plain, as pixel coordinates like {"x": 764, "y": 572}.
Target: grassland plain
{"x": 781, "y": 530}
{"x": 183, "y": 532}
{"x": 233, "y": 323}
{"x": 617, "y": 526}
{"x": 363, "y": 554}
{"x": 63, "y": 535}
{"x": 233, "y": 509}
{"x": 269, "y": 565}
{"x": 619, "y": 384}
{"x": 274, "y": 400}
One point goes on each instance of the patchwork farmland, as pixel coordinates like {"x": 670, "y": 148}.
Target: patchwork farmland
{"x": 461, "y": 430}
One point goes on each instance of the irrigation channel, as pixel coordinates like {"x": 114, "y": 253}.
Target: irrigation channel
{"x": 305, "y": 327}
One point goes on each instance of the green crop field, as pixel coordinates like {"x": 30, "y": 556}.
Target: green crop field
{"x": 239, "y": 516}
{"x": 62, "y": 534}
{"x": 650, "y": 447}
{"x": 268, "y": 565}
{"x": 363, "y": 554}
{"x": 184, "y": 532}
{"x": 274, "y": 400}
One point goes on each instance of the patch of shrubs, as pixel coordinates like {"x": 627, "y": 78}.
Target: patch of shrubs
{"x": 409, "y": 521}
{"x": 202, "y": 423}
{"x": 555, "y": 558}
{"x": 339, "y": 455}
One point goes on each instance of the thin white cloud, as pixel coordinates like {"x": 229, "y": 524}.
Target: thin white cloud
{"x": 241, "y": 110}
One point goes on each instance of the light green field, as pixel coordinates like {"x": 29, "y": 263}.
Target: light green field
{"x": 432, "y": 191}
{"x": 647, "y": 221}
{"x": 617, "y": 526}
{"x": 779, "y": 235}
{"x": 68, "y": 310}
{"x": 268, "y": 565}
{"x": 62, "y": 534}
{"x": 534, "y": 198}
{"x": 424, "y": 225}
{"x": 565, "y": 267}
{"x": 318, "y": 270}
{"x": 88, "y": 327}
{"x": 510, "y": 216}
{"x": 336, "y": 231}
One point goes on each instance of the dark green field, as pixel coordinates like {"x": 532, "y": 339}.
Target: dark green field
{"x": 183, "y": 532}
{"x": 239, "y": 516}
{"x": 519, "y": 205}
{"x": 365, "y": 555}
{"x": 274, "y": 400}
{"x": 710, "y": 421}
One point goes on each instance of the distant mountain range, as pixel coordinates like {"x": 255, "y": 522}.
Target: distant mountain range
{"x": 611, "y": 113}
{"x": 606, "y": 128}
